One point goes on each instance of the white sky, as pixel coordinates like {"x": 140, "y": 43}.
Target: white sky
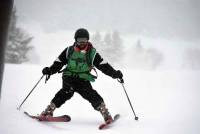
{"x": 165, "y": 18}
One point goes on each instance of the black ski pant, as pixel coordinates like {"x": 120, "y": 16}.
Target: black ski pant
{"x": 84, "y": 88}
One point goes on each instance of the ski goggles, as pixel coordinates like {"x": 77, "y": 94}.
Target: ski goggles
{"x": 82, "y": 40}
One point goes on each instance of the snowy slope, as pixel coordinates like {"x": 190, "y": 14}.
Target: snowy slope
{"x": 166, "y": 102}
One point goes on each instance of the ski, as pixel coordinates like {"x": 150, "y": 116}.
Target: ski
{"x": 63, "y": 118}
{"x": 107, "y": 124}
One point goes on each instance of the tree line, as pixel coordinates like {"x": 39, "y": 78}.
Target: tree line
{"x": 109, "y": 44}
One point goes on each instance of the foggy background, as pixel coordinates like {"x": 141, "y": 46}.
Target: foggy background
{"x": 148, "y": 34}
{"x": 171, "y": 18}
{"x": 154, "y": 43}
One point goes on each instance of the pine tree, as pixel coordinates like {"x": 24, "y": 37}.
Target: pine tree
{"x": 117, "y": 45}
{"x": 145, "y": 58}
{"x": 110, "y": 46}
{"x": 191, "y": 58}
{"x": 138, "y": 55}
{"x": 18, "y": 43}
{"x": 107, "y": 46}
{"x": 113, "y": 47}
{"x": 97, "y": 41}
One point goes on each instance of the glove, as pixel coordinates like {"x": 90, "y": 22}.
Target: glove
{"x": 117, "y": 74}
{"x": 46, "y": 71}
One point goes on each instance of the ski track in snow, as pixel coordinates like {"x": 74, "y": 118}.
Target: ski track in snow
{"x": 166, "y": 102}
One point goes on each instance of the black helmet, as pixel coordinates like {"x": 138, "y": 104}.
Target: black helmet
{"x": 81, "y": 33}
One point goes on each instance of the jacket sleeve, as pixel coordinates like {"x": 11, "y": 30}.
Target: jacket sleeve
{"x": 103, "y": 66}
{"x": 59, "y": 62}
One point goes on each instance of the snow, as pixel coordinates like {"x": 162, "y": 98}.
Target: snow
{"x": 166, "y": 101}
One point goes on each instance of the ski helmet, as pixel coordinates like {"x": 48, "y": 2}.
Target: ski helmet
{"x": 81, "y": 33}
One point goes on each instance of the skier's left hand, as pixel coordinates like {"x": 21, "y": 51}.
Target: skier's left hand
{"x": 117, "y": 74}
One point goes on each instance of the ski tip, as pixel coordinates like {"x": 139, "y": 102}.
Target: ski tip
{"x": 107, "y": 124}
{"x": 67, "y": 117}
{"x": 102, "y": 126}
{"x": 25, "y": 112}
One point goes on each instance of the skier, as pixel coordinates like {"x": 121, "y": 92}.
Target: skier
{"x": 80, "y": 59}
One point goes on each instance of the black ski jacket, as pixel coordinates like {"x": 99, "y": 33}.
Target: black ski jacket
{"x": 98, "y": 62}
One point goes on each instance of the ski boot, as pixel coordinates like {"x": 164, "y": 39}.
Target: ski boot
{"x": 105, "y": 113}
{"x": 49, "y": 110}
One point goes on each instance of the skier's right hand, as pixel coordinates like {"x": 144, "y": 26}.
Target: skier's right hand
{"x": 46, "y": 71}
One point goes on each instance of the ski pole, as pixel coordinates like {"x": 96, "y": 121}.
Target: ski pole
{"x": 122, "y": 82}
{"x": 30, "y": 93}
